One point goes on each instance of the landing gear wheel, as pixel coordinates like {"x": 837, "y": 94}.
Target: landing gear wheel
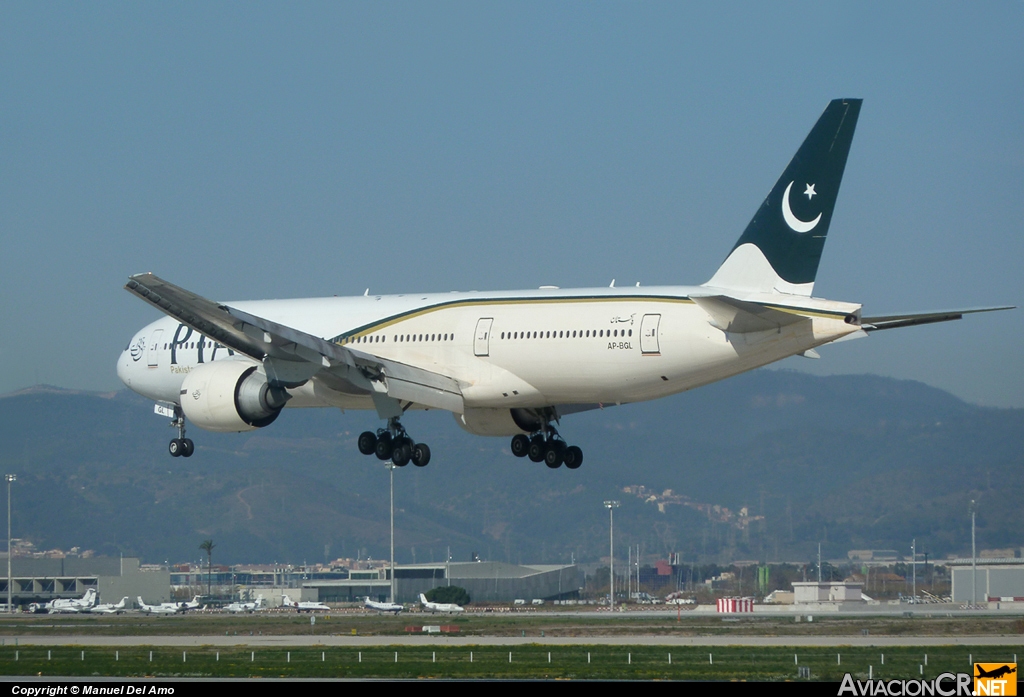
{"x": 537, "y": 447}
{"x": 180, "y": 446}
{"x": 421, "y": 455}
{"x": 402, "y": 452}
{"x": 384, "y": 447}
{"x": 553, "y": 454}
{"x": 367, "y": 442}
{"x": 520, "y": 445}
{"x": 573, "y": 457}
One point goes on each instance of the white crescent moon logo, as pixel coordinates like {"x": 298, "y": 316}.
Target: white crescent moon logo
{"x": 792, "y": 221}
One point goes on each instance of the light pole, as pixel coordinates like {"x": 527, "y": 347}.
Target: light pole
{"x": 10, "y": 478}
{"x": 913, "y": 556}
{"x": 611, "y": 506}
{"x": 974, "y": 560}
{"x": 391, "y": 471}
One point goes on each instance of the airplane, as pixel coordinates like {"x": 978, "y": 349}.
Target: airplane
{"x": 185, "y": 605}
{"x": 511, "y": 363}
{"x": 249, "y": 607}
{"x": 440, "y": 607}
{"x": 302, "y": 605}
{"x": 381, "y": 608}
{"x": 191, "y": 604}
{"x": 161, "y": 609}
{"x": 110, "y": 608}
{"x": 67, "y": 605}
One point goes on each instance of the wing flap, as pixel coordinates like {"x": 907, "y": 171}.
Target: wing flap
{"x": 398, "y": 380}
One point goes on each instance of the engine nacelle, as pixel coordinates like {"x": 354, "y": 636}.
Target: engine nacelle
{"x": 498, "y": 422}
{"x": 230, "y": 396}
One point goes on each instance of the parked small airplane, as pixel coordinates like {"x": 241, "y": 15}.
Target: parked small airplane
{"x": 250, "y": 607}
{"x": 66, "y": 605}
{"x": 161, "y": 609}
{"x": 440, "y": 607}
{"x": 191, "y": 604}
{"x": 110, "y": 608}
{"x": 302, "y": 605}
{"x": 381, "y": 608}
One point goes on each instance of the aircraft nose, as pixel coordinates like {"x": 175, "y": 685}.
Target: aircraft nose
{"x": 122, "y": 367}
{"x": 125, "y": 360}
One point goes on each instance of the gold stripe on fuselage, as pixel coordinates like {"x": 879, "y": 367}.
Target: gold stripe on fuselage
{"x": 367, "y": 329}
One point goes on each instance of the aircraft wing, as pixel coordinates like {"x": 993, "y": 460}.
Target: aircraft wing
{"x": 291, "y": 356}
{"x": 873, "y": 324}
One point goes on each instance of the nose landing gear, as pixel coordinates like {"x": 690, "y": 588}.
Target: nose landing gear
{"x": 393, "y": 443}
{"x": 180, "y": 446}
{"x": 548, "y": 447}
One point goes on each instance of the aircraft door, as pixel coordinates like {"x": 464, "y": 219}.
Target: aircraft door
{"x": 649, "y": 335}
{"x": 154, "y": 348}
{"x": 482, "y": 338}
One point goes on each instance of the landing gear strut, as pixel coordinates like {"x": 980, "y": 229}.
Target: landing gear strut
{"x": 548, "y": 447}
{"x": 180, "y": 446}
{"x": 393, "y": 443}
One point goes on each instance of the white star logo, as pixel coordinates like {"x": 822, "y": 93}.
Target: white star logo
{"x": 810, "y": 193}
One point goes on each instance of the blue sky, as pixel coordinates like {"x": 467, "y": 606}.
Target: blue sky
{"x": 281, "y": 150}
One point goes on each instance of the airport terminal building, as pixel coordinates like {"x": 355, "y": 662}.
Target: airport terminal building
{"x": 40, "y": 580}
{"x": 485, "y": 581}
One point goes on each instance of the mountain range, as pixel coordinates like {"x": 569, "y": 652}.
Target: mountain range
{"x": 763, "y": 466}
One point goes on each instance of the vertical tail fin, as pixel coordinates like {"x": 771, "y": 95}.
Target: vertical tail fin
{"x": 781, "y": 247}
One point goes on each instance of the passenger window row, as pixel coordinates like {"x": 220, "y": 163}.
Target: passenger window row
{"x": 565, "y": 334}
{"x": 397, "y": 338}
{"x": 193, "y": 344}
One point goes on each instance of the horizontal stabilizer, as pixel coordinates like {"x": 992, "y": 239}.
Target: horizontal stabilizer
{"x": 873, "y": 324}
{"x": 740, "y": 317}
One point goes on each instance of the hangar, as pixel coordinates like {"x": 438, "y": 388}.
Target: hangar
{"x": 999, "y": 580}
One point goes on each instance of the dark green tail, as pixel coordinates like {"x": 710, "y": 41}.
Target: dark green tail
{"x": 789, "y": 228}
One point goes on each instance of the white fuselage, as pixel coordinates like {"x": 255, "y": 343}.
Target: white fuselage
{"x": 506, "y": 349}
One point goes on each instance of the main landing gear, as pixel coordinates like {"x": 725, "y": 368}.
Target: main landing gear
{"x": 548, "y": 447}
{"x": 180, "y": 446}
{"x": 393, "y": 443}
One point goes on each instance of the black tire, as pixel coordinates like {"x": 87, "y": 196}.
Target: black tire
{"x": 573, "y": 457}
{"x": 401, "y": 454}
{"x": 367, "y": 442}
{"x": 520, "y": 445}
{"x": 421, "y": 455}
{"x": 189, "y": 448}
{"x": 176, "y": 447}
{"x": 384, "y": 447}
{"x": 536, "y": 450}
{"x": 553, "y": 455}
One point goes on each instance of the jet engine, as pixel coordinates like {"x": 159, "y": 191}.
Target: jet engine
{"x": 230, "y": 396}
{"x": 498, "y": 422}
